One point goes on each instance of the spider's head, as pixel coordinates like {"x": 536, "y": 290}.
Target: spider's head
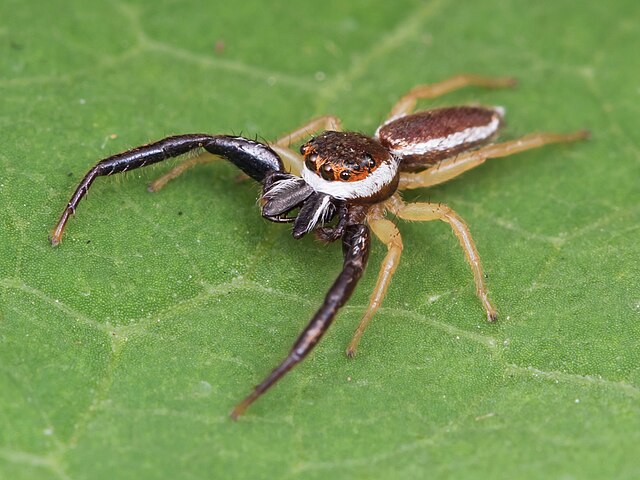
{"x": 349, "y": 166}
{"x": 343, "y": 156}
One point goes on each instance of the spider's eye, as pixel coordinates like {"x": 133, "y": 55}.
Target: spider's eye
{"x": 310, "y": 162}
{"x": 344, "y": 175}
{"x": 369, "y": 162}
{"x": 305, "y": 147}
{"x": 327, "y": 172}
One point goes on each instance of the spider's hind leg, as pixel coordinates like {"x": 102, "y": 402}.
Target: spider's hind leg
{"x": 407, "y": 102}
{"x": 452, "y": 167}
{"x": 426, "y": 212}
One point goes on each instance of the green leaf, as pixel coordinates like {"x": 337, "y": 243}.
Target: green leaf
{"x": 123, "y": 350}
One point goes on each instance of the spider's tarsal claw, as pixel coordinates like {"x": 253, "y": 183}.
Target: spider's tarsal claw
{"x": 241, "y": 407}
{"x": 582, "y": 135}
{"x": 353, "y": 345}
{"x": 56, "y": 236}
{"x": 237, "y": 411}
{"x": 507, "y": 82}
{"x": 351, "y": 352}
{"x": 492, "y": 313}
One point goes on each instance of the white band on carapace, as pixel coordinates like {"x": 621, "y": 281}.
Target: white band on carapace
{"x": 375, "y": 181}
{"x": 468, "y": 135}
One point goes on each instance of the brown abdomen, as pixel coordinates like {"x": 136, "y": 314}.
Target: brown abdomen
{"x": 423, "y": 139}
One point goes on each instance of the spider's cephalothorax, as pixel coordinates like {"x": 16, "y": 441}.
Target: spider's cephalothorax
{"x": 344, "y": 185}
{"x": 350, "y": 166}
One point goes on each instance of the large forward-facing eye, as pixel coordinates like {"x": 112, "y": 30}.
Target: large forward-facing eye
{"x": 368, "y": 161}
{"x": 311, "y": 162}
{"x": 326, "y": 171}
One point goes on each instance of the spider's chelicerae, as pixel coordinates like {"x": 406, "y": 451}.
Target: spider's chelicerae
{"x": 344, "y": 184}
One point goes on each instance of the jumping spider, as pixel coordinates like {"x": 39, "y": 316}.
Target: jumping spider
{"x": 353, "y": 179}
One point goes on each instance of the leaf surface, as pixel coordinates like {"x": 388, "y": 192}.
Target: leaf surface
{"x": 123, "y": 350}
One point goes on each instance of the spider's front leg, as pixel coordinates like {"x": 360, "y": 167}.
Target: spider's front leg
{"x": 355, "y": 247}
{"x": 291, "y": 159}
{"x": 388, "y": 234}
{"x": 253, "y": 158}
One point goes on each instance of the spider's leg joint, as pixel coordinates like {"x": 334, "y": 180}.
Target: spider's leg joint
{"x": 253, "y": 158}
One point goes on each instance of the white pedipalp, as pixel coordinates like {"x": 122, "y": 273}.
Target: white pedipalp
{"x": 282, "y": 186}
{"x": 319, "y": 214}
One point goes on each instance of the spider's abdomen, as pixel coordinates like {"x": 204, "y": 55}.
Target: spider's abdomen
{"x": 424, "y": 138}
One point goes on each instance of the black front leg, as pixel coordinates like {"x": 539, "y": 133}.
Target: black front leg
{"x": 253, "y": 158}
{"x": 355, "y": 246}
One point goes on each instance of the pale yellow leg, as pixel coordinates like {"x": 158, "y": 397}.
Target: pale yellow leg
{"x": 387, "y": 232}
{"x": 179, "y": 169}
{"x": 407, "y": 103}
{"x": 437, "y": 211}
{"x": 292, "y": 159}
{"x": 454, "y": 166}
{"x": 325, "y": 122}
